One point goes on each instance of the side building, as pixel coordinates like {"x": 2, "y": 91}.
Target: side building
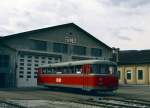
{"x": 134, "y": 67}
{"x": 21, "y": 53}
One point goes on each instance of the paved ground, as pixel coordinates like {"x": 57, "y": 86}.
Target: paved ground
{"x": 134, "y": 91}
{"x": 36, "y": 97}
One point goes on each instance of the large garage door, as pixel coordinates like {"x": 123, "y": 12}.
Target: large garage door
{"x": 26, "y": 69}
{"x": 4, "y": 68}
{"x": 2, "y": 80}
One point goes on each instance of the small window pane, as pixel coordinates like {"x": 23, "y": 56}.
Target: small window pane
{"x": 28, "y": 76}
{"x": 128, "y": 75}
{"x": 28, "y": 68}
{"x": 140, "y": 74}
{"x": 21, "y": 64}
{"x": 21, "y": 67}
{"x": 21, "y": 72}
{"x": 29, "y": 56}
{"x": 29, "y": 60}
{"x": 21, "y": 60}
{"x": 20, "y": 76}
{"x": 29, "y": 64}
{"x": 28, "y": 72}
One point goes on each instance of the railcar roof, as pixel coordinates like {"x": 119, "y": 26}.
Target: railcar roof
{"x": 81, "y": 62}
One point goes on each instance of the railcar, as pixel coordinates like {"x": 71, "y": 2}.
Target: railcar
{"x": 89, "y": 75}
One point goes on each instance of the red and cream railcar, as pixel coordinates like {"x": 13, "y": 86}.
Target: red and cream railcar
{"x": 99, "y": 75}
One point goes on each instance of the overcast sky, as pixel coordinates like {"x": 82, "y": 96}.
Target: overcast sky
{"x": 118, "y": 23}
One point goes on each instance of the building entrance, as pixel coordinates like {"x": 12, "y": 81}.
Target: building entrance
{"x": 2, "y": 80}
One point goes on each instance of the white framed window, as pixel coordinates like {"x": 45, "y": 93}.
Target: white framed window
{"x": 128, "y": 74}
{"x": 140, "y": 74}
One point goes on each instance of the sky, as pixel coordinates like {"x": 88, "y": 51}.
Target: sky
{"x": 123, "y": 24}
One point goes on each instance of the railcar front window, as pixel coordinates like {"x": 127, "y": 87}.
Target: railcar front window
{"x": 103, "y": 69}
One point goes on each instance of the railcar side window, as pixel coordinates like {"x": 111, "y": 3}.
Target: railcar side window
{"x": 78, "y": 69}
{"x": 71, "y": 70}
{"x": 49, "y": 70}
{"x": 96, "y": 68}
{"x": 103, "y": 69}
{"x": 59, "y": 70}
{"x": 65, "y": 70}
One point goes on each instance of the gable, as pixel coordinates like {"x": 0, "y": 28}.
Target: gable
{"x": 60, "y": 34}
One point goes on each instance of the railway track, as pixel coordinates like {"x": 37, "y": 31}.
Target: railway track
{"x": 109, "y": 102}
{"x": 118, "y": 102}
{"x": 98, "y": 101}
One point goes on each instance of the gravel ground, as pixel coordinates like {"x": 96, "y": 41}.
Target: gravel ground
{"x": 46, "y": 98}
{"x": 50, "y": 104}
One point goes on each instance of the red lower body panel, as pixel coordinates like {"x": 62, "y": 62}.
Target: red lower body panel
{"x": 89, "y": 82}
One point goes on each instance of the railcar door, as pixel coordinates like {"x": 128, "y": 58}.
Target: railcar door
{"x": 86, "y": 69}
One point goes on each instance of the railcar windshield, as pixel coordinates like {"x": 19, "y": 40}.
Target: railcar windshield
{"x": 104, "y": 69}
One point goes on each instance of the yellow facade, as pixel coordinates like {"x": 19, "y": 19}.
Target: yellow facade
{"x": 134, "y": 74}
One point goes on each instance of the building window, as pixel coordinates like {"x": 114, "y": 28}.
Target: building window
{"x": 128, "y": 75}
{"x": 40, "y": 45}
{"x": 4, "y": 60}
{"x": 96, "y": 52}
{"x": 60, "y": 47}
{"x": 79, "y": 50}
{"x": 140, "y": 74}
{"x": 119, "y": 75}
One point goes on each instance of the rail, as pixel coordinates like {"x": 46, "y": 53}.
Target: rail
{"x": 5, "y": 104}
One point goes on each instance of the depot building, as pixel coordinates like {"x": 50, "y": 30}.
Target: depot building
{"x": 134, "y": 67}
{"x": 21, "y": 53}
